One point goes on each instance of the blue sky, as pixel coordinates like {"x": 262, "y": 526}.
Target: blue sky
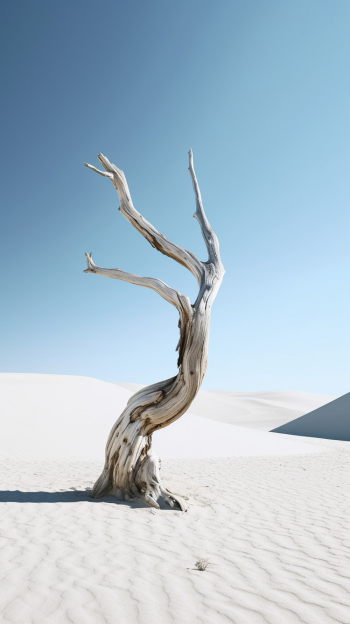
{"x": 261, "y": 92}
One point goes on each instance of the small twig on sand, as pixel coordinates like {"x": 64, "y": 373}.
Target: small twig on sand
{"x": 202, "y": 564}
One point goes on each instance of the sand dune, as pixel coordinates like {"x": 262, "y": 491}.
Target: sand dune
{"x": 61, "y": 417}
{"x": 331, "y": 421}
{"x": 57, "y": 416}
{"x": 255, "y": 410}
{"x": 271, "y": 517}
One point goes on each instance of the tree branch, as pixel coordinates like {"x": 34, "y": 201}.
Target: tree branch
{"x": 102, "y": 173}
{"x": 210, "y": 239}
{"x": 177, "y": 299}
{"x": 157, "y": 240}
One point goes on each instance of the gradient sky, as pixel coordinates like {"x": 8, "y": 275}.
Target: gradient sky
{"x": 261, "y": 92}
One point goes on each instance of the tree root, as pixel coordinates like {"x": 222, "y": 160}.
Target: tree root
{"x": 142, "y": 483}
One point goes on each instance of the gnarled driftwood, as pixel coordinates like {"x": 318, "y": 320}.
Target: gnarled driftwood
{"x": 131, "y": 469}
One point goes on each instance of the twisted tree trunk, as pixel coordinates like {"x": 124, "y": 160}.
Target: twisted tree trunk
{"x": 131, "y": 469}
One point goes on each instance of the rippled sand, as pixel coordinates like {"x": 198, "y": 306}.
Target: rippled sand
{"x": 272, "y": 519}
{"x": 275, "y": 531}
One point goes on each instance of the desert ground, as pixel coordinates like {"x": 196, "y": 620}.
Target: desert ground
{"x": 268, "y": 511}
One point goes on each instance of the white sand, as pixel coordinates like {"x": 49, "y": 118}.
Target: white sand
{"x": 273, "y": 521}
{"x": 69, "y": 418}
{"x": 255, "y": 410}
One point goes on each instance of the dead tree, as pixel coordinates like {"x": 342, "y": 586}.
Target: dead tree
{"x": 131, "y": 469}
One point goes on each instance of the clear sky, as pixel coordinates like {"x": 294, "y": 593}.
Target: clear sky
{"x": 261, "y": 92}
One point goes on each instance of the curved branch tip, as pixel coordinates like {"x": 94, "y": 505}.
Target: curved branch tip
{"x": 102, "y": 173}
{"x": 91, "y": 267}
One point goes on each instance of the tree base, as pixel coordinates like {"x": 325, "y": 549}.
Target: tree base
{"x": 142, "y": 483}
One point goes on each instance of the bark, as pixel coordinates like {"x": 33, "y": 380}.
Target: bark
{"x": 131, "y": 469}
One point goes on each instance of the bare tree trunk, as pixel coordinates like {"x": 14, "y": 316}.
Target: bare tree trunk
{"x": 131, "y": 469}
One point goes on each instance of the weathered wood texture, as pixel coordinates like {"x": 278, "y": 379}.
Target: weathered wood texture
{"x": 131, "y": 469}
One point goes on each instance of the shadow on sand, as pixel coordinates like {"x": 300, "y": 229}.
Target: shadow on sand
{"x": 68, "y": 496}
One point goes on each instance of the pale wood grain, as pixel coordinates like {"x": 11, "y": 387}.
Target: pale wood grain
{"x": 131, "y": 468}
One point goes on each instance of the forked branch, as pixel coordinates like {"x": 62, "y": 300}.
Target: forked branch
{"x": 157, "y": 240}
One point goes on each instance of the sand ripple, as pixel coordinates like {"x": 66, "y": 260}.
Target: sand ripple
{"x": 276, "y": 535}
